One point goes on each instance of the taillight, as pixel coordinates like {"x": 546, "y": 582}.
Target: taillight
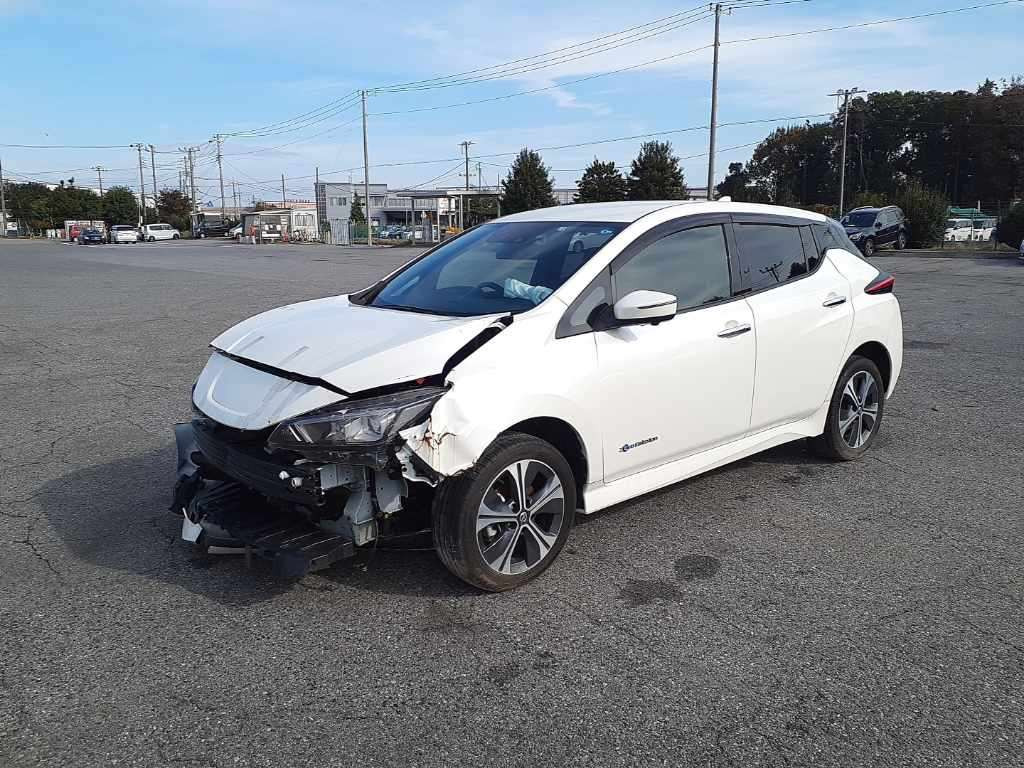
{"x": 883, "y": 283}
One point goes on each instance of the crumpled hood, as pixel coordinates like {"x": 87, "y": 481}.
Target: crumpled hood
{"x": 351, "y": 347}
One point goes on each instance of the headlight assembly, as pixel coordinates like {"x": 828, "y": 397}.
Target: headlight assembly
{"x": 355, "y": 423}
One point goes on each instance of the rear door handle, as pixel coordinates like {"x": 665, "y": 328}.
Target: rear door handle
{"x": 833, "y": 301}
{"x": 733, "y": 330}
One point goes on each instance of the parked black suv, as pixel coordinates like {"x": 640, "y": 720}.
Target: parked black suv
{"x": 874, "y": 228}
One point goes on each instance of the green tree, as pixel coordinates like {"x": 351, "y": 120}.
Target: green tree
{"x": 601, "y": 183}
{"x": 740, "y": 187}
{"x": 356, "y": 214}
{"x": 174, "y": 207}
{"x": 120, "y": 206}
{"x": 926, "y": 211}
{"x": 29, "y": 204}
{"x": 655, "y": 174}
{"x": 528, "y": 185}
{"x": 1011, "y": 227}
{"x": 69, "y": 202}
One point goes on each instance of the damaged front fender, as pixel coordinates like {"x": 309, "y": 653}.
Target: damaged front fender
{"x": 441, "y": 446}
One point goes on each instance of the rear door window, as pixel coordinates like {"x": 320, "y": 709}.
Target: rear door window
{"x": 770, "y": 254}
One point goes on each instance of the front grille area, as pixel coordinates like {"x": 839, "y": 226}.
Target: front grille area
{"x": 239, "y": 454}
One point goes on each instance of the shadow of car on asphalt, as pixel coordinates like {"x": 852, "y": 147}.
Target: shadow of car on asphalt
{"x": 115, "y": 516}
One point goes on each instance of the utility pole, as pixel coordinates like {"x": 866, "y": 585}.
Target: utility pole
{"x": 366, "y": 176}
{"x": 192, "y": 178}
{"x": 220, "y": 172}
{"x": 714, "y": 107}
{"x": 3, "y": 203}
{"x": 236, "y": 200}
{"x": 284, "y": 200}
{"x": 845, "y": 93}
{"x": 479, "y": 178}
{"x": 99, "y": 176}
{"x": 465, "y": 151}
{"x": 142, "y": 188}
{"x": 152, "y": 170}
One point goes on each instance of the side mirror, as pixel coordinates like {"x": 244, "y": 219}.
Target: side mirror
{"x": 641, "y": 307}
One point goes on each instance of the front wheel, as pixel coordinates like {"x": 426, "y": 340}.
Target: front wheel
{"x": 869, "y": 247}
{"x": 503, "y": 522}
{"x": 854, "y": 413}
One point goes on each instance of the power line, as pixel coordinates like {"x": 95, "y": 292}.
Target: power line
{"x": 871, "y": 23}
{"x": 506, "y": 73}
{"x": 545, "y": 54}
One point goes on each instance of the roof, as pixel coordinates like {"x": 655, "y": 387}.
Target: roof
{"x": 630, "y": 211}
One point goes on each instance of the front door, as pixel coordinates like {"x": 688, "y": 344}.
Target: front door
{"x": 684, "y": 385}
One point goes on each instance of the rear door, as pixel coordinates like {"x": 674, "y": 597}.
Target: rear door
{"x": 802, "y": 317}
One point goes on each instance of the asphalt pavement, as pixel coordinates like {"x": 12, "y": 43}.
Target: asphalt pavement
{"x": 779, "y": 611}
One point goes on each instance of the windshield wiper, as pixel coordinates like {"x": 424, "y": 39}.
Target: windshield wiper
{"x": 409, "y": 308}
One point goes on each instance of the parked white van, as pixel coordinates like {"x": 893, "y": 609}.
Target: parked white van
{"x": 152, "y": 232}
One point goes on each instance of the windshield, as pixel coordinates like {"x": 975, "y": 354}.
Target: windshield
{"x": 498, "y": 267}
{"x": 860, "y": 219}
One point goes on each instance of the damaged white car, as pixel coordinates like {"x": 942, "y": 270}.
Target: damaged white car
{"x": 510, "y": 379}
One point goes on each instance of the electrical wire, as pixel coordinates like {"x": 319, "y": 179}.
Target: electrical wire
{"x": 505, "y": 74}
{"x": 546, "y": 53}
{"x": 863, "y": 24}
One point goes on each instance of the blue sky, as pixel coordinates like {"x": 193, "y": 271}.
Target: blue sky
{"x": 177, "y": 72}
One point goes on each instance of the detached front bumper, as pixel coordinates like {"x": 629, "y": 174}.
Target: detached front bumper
{"x": 301, "y": 517}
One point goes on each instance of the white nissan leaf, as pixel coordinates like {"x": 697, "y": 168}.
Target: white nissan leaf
{"x": 509, "y": 379}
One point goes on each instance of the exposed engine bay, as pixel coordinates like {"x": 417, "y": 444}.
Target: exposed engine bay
{"x": 304, "y": 491}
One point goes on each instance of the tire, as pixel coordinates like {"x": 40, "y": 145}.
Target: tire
{"x": 152, "y": 239}
{"x": 202, "y": 236}
{"x": 838, "y": 442}
{"x": 459, "y": 505}
{"x": 176, "y": 237}
{"x": 869, "y": 247}
{"x": 901, "y": 241}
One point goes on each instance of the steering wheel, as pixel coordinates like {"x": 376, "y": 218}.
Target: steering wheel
{"x": 491, "y": 289}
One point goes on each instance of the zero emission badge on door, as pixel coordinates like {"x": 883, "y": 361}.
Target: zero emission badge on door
{"x": 630, "y": 446}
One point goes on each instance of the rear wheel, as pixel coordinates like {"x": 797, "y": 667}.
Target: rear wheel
{"x": 503, "y": 522}
{"x": 854, "y": 413}
{"x": 901, "y": 241}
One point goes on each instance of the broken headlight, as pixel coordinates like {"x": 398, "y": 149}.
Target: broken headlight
{"x": 368, "y": 422}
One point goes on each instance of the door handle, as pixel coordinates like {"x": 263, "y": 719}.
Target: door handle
{"x": 833, "y": 301}
{"x": 733, "y": 330}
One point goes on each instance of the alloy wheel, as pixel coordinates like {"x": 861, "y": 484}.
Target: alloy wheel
{"x": 858, "y": 409}
{"x": 520, "y": 516}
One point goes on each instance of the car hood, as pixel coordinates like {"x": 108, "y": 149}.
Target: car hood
{"x": 350, "y": 346}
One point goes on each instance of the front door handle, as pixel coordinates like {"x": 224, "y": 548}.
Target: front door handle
{"x": 733, "y": 330}
{"x": 833, "y": 301}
